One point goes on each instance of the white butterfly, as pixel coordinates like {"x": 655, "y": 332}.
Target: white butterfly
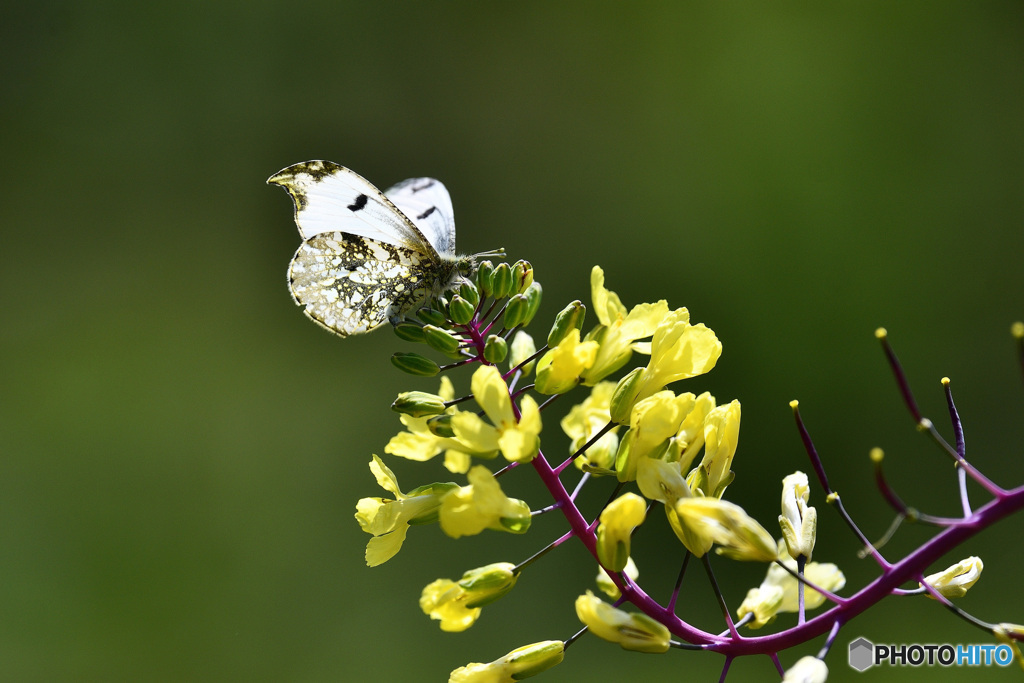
{"x": 368, "y": 257}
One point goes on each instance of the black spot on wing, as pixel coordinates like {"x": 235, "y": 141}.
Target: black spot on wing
{"x": 359, "y": 204}
{"x": 430, "y": 183}
{"x": 426, "y": 213}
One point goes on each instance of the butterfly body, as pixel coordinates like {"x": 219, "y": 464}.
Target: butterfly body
{"x": 368, "y": 257}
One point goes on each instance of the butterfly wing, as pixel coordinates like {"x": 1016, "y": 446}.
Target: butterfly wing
{"x": 351, "y": 284}
{"x": 426, "y": 202}
{"x": 331, "y": 198}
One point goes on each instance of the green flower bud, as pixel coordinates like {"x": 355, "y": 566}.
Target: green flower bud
{"x": 571, "y": 317}
{"x": 533, "y": 295}
{"x": 440, "y": 340}
{"x": 522, "y": 276}
{"x": 624, "y": 397}
{"x": 415, "y": 364}
{"x": 515, "y": 311}
{"x": 469, "y": 292}
{"x": 484, "y": 277}
{"x": 431, "y": 316}
{"x": 436, "y": 491}
{"x": 501, "y": 281}
{"x": 418, "y": 404}
{"x": 441, "y": 426}
{"x": 410, "y": 332}
{"x": 461, "y": 310}
{"x": 530, "y": 660}
{"x": 484, "y": 585}
{"x": 495, "y": 349}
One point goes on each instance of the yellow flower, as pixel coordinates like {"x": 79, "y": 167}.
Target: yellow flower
{"x": 618, "y": 519}
{"x": 608, "y": 587}
{"x": 421, "y": 444}
{"x": 468, "y": 510}
{"x": 1007, "y": 633}
{"x": 519, "y": 440}
{"x": 661, "y": 480}
{"x": 954, "y": 581}
{"x": 652, "y": 423}
{"x": 764, "y": 602}
{"x": 445, "y": 601}
{"x": 559, "y": 369}
{"x": 389, "y": 520}
{"x": 679, "y": 350}
{"x": 587, "y": 419}
{"x": 521, "y": 348}
{"x": 521, "y": 663}
{"x": 632, "y": 631}
{"x": 457, "y": 605}
{"x": 798, "y": 520}
{"x": 807, "y": 670}
{"x": 721, "y": 436}
{"x": 728, "y": 525}
{"x": 618, "y": 329}
{"x": 779, "y": 592}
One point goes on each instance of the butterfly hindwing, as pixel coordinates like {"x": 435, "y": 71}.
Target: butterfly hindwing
{"x": 351, "y": 284}
{"x": 331, "y": 198}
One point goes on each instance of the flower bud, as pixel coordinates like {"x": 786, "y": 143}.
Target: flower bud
{"x": 484, "y": 273}
{"x": 570, "y": 318}
{"x": 469, "y": 292}
{"x": 501, "y": 281}
{"x": 441, "y": 426}
{"x": 495, "y": 349}
{"x": 484, "y": 585}
{"x": 431, "y": 316}
{"x": 440, "y": 340}
{"x": 533, "y": 295}
{"x": 460, "y": 310}
{"x": 522, "y": 276}
{"x": 410, "y": 332}
{"x": 515, "y": 311}
{"x": 415, "y": 364}
{"x": 624, "y": 396}
{"x": 418, "y": 404}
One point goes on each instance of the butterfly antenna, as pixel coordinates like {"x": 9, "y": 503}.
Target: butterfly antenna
{"x": 497, "y": 253}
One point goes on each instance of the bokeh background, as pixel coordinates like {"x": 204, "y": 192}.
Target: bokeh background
{"x": 181, "y": 450}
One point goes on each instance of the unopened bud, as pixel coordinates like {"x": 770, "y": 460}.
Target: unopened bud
{"x": 418, "y": 404}
{"x": 440, "y": 340}
{"x": 461, "y": 310}
{"x": 570, "y": 318}
{"x": 495, "y": 349}
{"x": 415, "y": 364}
{"x": 410, "y": 332}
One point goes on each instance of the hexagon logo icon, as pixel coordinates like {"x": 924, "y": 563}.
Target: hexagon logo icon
{"x": 862, "y": 654}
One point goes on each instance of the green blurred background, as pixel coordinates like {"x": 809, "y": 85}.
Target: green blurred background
{"x": 181, "y": 450}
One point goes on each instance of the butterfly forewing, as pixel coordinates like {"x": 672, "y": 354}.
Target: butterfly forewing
{"x": 329, "y": 198}
{"x": 426, "y": 202}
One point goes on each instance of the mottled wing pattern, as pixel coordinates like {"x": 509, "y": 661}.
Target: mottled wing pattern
{"x": 350, "y": 284}
{"x": 331, "y": 198}
{"x": 426, "y": 202}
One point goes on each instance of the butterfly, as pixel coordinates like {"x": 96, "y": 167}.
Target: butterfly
{"x": 369, "y": 257}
